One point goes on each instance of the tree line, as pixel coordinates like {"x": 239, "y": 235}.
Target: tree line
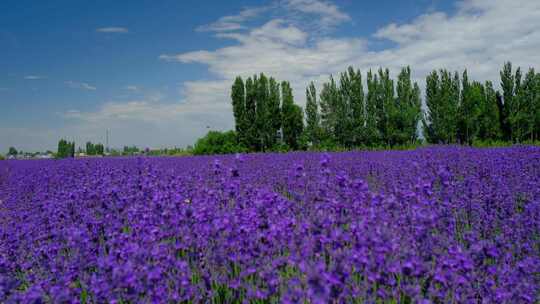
{"x": 388, "y": 112}
{"x": 464, "y": 111}
{"x": 65, "y": 149}
{"x": 94, "y": 149}
{"x": 265, "y": 113}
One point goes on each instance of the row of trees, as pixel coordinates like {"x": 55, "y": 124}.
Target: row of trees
{"x": 346, "y": 116}
{"x": 65, "y": 149}
{"x": 265, "y": 114}
{"x": 94, "y": 149}
{"x": 464, "y": 111}
{"x": 388, "y": 112}
{"x": 342, "y": 114}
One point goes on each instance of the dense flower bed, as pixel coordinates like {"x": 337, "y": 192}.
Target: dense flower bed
{"x": 435, "y": 225}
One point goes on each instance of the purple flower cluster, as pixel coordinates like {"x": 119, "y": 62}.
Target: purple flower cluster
{"x": 435, "y": 225}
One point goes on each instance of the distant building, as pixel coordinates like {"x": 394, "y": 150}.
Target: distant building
{"x": 46, "y": 156}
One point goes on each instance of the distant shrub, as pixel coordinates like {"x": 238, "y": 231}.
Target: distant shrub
{"x": 215, "y": 142}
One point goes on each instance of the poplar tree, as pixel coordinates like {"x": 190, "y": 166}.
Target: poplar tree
{"x": 471, "y": 97}
{"x": 312, "y": 115}
{"x": 62, "y": 149}
{"x": 250, "y": 114}
{"x": 488, "y": 119}
{"x": 329, "y": 101}
{"x": 442, "y": 97}
{"x": 528, "y": 97}
{"x": 238, "y": 97}
{"x": 516, "y": 109}
{"x": 536, "y": 103}
{"x": 292, "y": 118}
{"x": 274, "y": 110}
{"x": 408, "y": 108}
{"x": 72, "y": 149}
{"x": 372, "y": 135}
{"x": 432, "y": 121}
{"x": 262, "y": 117}
{"x": 351, "y": 108}
{"x": 99, "y": 149}
{"x": 65, "y": 149}
{"x": 90, "y": 150}
{"x": 386, "y": 108}
{"x": 507, "y": 86}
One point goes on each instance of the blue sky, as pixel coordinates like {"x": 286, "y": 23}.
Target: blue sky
{"x": 157, "y": 73}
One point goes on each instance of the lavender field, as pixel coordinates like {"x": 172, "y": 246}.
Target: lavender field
{"x": 435, "y": 225}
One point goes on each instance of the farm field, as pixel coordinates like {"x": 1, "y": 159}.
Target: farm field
{"x": 434, "y": 225}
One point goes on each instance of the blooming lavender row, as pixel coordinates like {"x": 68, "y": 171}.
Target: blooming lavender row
{"x": 435, "y": 225}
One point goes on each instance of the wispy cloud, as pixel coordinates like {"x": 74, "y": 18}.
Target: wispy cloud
{"x": 72, "y": 114}
{"x": 80, "y": 85}
{"x": 233, "y": 22}
{"x": 318, "y": 14}
{"x": 131, "y": 88}
{"x": 328, "y": 14}
{"x": 33, "y": 77}
{"x": 112, "y": 29}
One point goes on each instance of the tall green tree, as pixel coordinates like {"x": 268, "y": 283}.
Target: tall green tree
{"x": 469, "y": 109}
{"x": 517, "y": 109}
{"x": 432, "y": 120}
{"x": 62, "y": 149}
{"x": 274, "y": 110}
{"x": 90, "y": 148}
{"x": 386, "y": 107}
{"x": 238, "y": 96}
{"x": 72, "y": 149}
{"x": 528, "y": 96}
{"x": 372, "y": 135}
{"x": 507, "y": 108}
{"x": 313, "y": 127}
{"x": 99, "y": 149}
{"x": 293, "y": 120}
{"x": 65, "y": 149}
{"x": 352, "y": 116}
{"x": 12, "y": 151}
{"x": 251, "y": 127}
{"x": 409, "y": 112}
{"x": 442, "y": 99}
{"x": 330, "y": 101}
{"x": 262, "y": 117}
{"x": 488, "y": 119}
{"x": 536, "y": 103}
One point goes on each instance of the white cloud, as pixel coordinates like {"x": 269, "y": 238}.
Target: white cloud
{"x": 481, "y": 36}
{"x": 277, "y": 49}
{"x": 328, "y": 13}
{"x": 80, "y": 85}
{"x": 33, "y": 77}
{"x": 233, "y": 22}
{"x": 112, "y": 29}
{"x": 317, "y": 15}
{"x": 131, "y": 88}
{"x": 72, "y": 114}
